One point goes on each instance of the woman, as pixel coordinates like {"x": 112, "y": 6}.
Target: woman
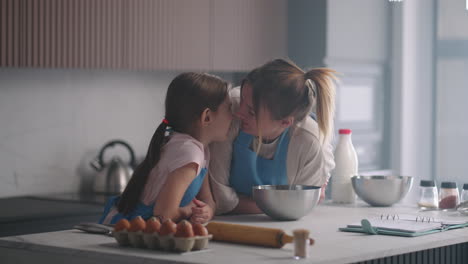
{"x": 275, "y": 141}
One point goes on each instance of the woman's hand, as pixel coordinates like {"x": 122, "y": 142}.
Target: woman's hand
{"x": 201, "y": 212}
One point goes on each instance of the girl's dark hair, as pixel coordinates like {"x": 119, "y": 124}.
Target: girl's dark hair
{"x": 188, "y": 95}
{"x": 282, "y": 87}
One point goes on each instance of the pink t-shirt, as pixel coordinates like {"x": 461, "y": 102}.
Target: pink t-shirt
{"x": 180, "y": 150}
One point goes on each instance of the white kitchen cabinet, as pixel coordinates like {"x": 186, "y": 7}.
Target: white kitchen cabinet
{"x": 142, "y": 34}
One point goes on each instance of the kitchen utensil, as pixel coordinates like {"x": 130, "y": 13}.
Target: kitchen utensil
{"x": 113, "y": 176}
{"x": 286, "y": 202}
{"x": 250, "y": 235}
{"x": 379, "y": 190}
{"x": 94, "y": 228}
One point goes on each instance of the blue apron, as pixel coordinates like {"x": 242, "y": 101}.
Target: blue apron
{"x": 248, "y": 169}
{"x": 146, "y": 211}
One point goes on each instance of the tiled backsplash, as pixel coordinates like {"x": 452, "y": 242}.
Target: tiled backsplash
{"x": 53, "y": 122}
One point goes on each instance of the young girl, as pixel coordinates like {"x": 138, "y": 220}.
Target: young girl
{"x": 171, "y": 182}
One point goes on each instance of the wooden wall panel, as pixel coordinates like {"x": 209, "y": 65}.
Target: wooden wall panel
{"x": 61, "y": 33}
{"x": 168, "y": 35}
{"x": 3, "y": 32}
{"x": 192, "y": 33}
{"x": 10, "y": 36}
{"x": 248, "y": 33}
{"x": 142, "y": 34}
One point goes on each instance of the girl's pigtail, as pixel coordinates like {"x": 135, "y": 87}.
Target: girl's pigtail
{"x": 131, "y": 195}
{"x": 324, "y": 88}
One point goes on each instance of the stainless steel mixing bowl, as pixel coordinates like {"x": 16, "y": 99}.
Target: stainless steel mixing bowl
{"x": 286, "y": 202}
{"x": 381, "y": 190}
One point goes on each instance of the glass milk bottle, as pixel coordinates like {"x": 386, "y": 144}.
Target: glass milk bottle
{"x": 346, "y": 166}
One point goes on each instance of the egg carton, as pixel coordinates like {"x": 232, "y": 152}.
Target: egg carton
{"x": 157, "y": 242}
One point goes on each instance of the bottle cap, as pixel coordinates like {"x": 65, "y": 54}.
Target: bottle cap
{"x": 465, "y": 186}
{"x": 449, "y": 185}
{"x": 427, "y": 183}
{"x": 344, "y": 131}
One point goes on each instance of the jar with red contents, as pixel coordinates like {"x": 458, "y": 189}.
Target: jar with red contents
{"x": 449, "y": 195}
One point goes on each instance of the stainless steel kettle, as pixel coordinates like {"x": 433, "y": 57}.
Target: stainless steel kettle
{"x": 112, "y": 176}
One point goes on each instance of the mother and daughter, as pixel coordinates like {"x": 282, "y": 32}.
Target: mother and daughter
{"x": 272, "y": 140}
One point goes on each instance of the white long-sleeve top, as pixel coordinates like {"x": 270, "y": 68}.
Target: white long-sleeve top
{"x": 308, "y": 161}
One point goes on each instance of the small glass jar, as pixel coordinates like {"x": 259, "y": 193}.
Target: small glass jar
{"x": 301, "y": 243}
{"x": 464, "y": 194}
{"x": 449, "y": 195}
{"x": 428, "y": 196}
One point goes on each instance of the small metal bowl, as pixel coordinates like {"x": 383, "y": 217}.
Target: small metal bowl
{"x": 379, "y": 190}
{"x": 286, "y": 202}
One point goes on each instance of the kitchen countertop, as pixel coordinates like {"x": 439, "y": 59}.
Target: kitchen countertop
{"x": 331, "y": 246}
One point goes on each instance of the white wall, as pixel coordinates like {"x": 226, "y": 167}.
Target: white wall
{"x": 452, "y": 93}
{"x": 413, "y": 89}
{"x": 452, "y": 20}
{"x": 357, "y": 30}
{"x": 53, "y": 122}
{"x": 357, "y": 47}
{"x": 452, "y": 121}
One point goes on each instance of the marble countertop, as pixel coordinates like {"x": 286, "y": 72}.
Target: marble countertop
{"x": 332, "y": 246}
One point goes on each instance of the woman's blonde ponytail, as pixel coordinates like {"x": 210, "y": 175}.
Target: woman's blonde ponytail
{"x": 323, "y": 80}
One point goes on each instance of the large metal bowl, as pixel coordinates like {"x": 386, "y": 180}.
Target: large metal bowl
{"x": 286, "y": 202}
{"x": 381, "y": 190}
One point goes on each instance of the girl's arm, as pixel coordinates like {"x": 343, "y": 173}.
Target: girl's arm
{"x": 205, "y": 194}
{"x": 205, "y": 204}
{"x": 170, "y": 196}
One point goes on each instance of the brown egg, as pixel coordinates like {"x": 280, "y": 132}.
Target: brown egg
{"x": 137, "y": 224}
{"x": 168, "y": 227}
{"x": 122, "y": 224}
{"x": 184, "y": 229}
{"x": 199, "y": 230}
{"x": 152, "y": 225}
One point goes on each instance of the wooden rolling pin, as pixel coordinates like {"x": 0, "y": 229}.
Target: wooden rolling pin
{"x": 250, "y": 235}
